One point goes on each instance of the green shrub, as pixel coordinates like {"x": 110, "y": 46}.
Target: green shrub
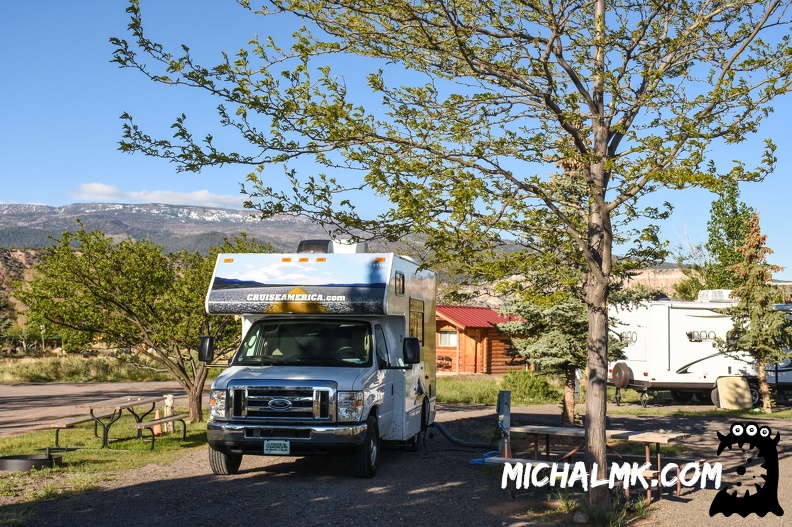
{"x": 528, "y": 387}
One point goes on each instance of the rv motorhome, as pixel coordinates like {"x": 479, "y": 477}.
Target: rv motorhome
{"x": 670, "y": 346}
{"x": 337, "y": 353}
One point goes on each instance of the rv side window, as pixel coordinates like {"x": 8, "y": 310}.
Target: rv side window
{"x": 417, "y": 319}
{"x": 398, "y": 283}
{"x": 382, "y": 345}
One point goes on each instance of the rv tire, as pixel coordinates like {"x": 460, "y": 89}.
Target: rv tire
{"x": 224, "y": 464}
{"x": 365, "y": 458}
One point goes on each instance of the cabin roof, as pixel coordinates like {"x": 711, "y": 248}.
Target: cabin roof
{"x": 467, "y": 316}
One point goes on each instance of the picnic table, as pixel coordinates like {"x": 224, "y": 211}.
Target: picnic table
{"x": 110, "y": 410}
{"x": 647, "y": 438}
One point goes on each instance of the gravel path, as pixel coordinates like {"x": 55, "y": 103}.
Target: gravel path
{"x": 437, "y": 485}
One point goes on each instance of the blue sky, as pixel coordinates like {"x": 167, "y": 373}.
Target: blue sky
{"x": 62, "y": 98}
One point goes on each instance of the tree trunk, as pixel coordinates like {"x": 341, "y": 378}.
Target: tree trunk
{"x": 568, "y": 410}
{"x": 596, "y": 393}
{"x": 195, "y": 402}
{"x": 764, "y": 388}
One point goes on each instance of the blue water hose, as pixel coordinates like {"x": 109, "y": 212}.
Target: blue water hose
{"x": 483, "y": 459}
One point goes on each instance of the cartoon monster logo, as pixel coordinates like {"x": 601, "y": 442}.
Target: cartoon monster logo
{"x": 765, "y": 498}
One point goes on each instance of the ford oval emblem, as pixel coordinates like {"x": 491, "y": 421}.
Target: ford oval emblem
{"x": 280, "y": 404}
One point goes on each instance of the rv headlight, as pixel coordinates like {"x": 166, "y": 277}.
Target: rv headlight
{"x": 350, "y": 406}
{"x": 217, "y": 404}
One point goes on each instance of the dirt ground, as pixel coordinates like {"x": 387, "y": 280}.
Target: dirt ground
{"x": 443, "y": 483}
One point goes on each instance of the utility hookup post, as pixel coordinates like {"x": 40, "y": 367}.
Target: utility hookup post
{"x": 504, "y": 422}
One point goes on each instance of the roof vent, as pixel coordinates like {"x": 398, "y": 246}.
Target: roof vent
{"x": 315, "y": 246}
{"x": 347, "y": 246}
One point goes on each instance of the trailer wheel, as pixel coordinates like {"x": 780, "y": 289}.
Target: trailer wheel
{"x": 756, "y": 395}
{"x": 704, "y": 397}
{"x": 621, "y": 375}
{"x": 224, "y": 464}
{"x": 365, "y": 459}
{"x": 681, "y": 397}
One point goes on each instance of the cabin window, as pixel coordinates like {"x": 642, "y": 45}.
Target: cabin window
{"x": 447, "y": 339}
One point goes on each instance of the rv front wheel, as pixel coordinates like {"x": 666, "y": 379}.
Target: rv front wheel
{"x": 224, "y": 464}
{"x": 365, "y": 459}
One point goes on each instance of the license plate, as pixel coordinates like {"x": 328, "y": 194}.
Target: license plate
{"x": 277, "y": 447}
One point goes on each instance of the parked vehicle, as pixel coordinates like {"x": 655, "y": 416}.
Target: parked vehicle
{"x": 670, "y": 346}
{"x": 338, "y": 353}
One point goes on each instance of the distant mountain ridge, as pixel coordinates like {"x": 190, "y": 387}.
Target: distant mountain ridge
{"x": 176, "y": 227}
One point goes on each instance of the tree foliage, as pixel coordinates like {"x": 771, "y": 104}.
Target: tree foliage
{"x": 710, "y": 266}
{"x": 494, "y": 122}
{"x": 131, "y": 295}
{"x": 760, "y": 330}
{"x": 554, "y": 337}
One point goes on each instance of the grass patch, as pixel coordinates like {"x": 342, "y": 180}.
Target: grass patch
{"x": 617, "y": 511}
{"x": 526, "y": 388}
{"x": 76, "y": 368}
{"x": 86, "y": 467}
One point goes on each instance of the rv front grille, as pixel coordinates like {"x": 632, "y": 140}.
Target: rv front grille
{"x": 282, "y": 403}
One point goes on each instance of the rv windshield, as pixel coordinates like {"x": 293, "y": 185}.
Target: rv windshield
{"x": 306, "y": 342}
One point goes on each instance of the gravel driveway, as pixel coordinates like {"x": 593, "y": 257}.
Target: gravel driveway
{"x": 436, "y": 486}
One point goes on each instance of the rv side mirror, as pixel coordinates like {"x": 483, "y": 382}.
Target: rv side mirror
{"x": 412, "y": 350}
{"x": 206, "y": 349}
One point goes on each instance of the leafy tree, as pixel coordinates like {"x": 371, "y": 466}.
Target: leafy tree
{"x": 5, "y": 319}
{"x": 494, "y": 121}
{"x": 553, "y": 336}
{"x": 551, "y": 331}
{"x": 759, "y": 329}
{"x": 129, "y": 294}
{"x": 726, "y": 232}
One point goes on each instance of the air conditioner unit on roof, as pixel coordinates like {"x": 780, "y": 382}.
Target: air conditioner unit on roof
{"x": 715, "y": 295}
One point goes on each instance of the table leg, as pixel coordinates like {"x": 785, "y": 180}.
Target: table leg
{"x": 105, "y": 426}
{"x": 139, "y": 418}
{"x": 659, "y": 470}
{"x": 647, "y": 450}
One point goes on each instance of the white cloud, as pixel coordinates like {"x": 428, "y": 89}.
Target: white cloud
{"x": 101, "y": 192}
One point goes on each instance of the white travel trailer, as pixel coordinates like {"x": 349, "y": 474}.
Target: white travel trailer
{"x": 338, "y": 353}
{"x": 670, "y": 346}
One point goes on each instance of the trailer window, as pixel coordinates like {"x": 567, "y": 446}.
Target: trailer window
{"x": 306, "y": 342}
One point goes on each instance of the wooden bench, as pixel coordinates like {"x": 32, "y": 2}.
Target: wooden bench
{"x": 71, "y": 422}
{"x": 149, "y": 425}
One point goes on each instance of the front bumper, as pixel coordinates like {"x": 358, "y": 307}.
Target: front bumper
{"x": 245, "y": 438}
